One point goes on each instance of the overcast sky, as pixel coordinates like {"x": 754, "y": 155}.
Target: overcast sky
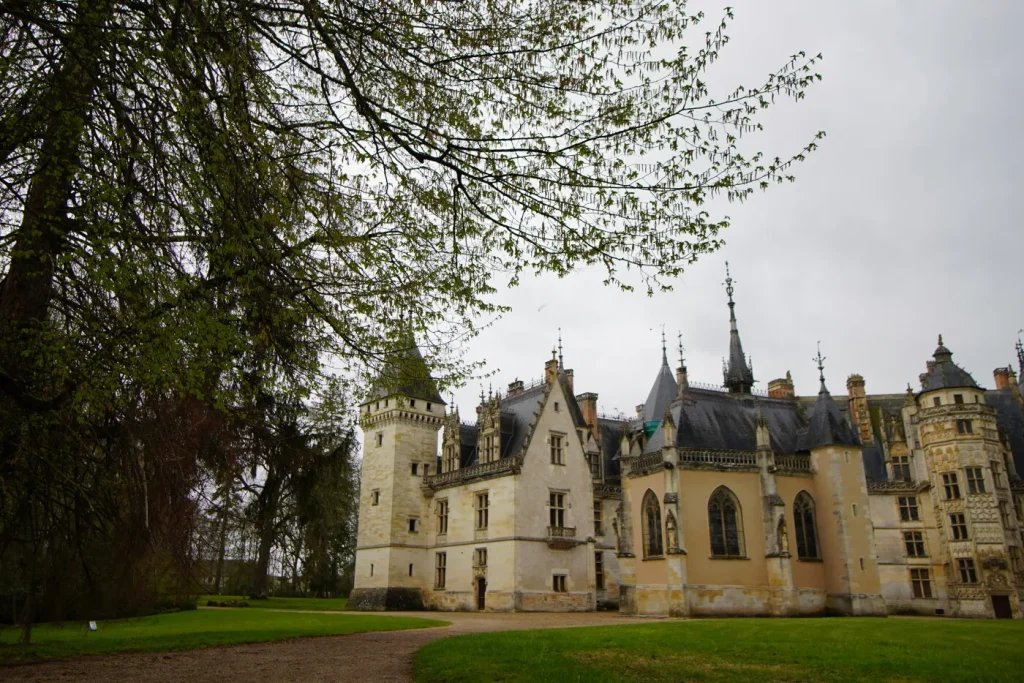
{"x": 905, "y": 224}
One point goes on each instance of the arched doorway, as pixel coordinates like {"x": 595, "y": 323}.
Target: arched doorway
{"x": 481, "y": 592}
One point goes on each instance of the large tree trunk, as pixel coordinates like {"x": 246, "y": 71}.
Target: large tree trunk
{"x": 267, "y": 529}
{"x": 28, "y": 284}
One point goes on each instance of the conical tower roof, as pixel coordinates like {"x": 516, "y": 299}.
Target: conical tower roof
{"x": 944, "y": 373}
{"x": 405, "y": 373}
{"x": 828, "y": 426}
{"x": 662, "y": 393}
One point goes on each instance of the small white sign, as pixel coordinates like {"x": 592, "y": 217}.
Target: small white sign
{"x": 92, "y": 626}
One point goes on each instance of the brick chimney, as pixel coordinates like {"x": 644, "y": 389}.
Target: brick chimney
{"x": 551, "y": 370}
{"x": 858, "y": 401}
{"x": 1002, "y": 377}
{"x": 682, "y": 380}
{"x": 515, "y": 387}
{"x": 568, "y": 378}
{"x": 588, "y": 406}
{"x": 782, "y": 388}
{"x": 639, "y": 409}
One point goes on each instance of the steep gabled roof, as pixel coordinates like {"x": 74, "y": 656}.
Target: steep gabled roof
{"x": 828, "y": 426}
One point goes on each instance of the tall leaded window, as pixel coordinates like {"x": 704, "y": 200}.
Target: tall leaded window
{"x": 726, "y": 522}
{"x": 806, "y": 528}
{"x": 908, "y": 508}
{"x": 483, "y": 505}
{"x": 651, "y": 521}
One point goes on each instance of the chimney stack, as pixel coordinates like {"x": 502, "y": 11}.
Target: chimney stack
{"x": 639, "y": 409}
{"x": 782, "y": 388}
{"x": 1002, "y": 377}
{"x": 515, "y": 388}
{"x": 858, "y": 402}
{"x": 568, "y": 378}
{"x": 551, "y": 369}
{"x": 588, "y": 406}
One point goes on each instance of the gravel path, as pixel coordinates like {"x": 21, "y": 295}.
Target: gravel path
{"x": 382, "y": 656}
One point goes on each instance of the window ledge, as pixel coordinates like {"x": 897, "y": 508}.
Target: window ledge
{"x": 728, "y": 557}
{"x": 810, "y": 559}
{"x": 650, "y": 558}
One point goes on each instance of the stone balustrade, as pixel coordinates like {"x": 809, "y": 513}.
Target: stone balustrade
{"x": 486, "y": 470}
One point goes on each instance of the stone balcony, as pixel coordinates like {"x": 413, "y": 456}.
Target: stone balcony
{"x": 562, "y": 537}
{"x": 487, "y": 470}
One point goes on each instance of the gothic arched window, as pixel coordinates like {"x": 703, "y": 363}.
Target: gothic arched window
{"x": 651, "y": 521}
{"x": 726, "y": 522}
{"x": 806, "y": 529}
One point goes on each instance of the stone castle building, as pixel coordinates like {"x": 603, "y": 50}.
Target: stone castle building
{"x": 711, "y": 501}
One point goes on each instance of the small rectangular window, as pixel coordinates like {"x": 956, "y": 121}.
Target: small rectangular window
{"x": 440, "y": 569}
{"x": 426, "y": 469}
{"x": 558, "y": 583}
{"x": 599, "y": 570}
{"x": 415, "y": 468}
{"x": 964, "y": 427}
{"x": 598, "y": 519}
{"x": 922, "y": 583}
{"x": 975, "y": 480}
{"x": 958, "y": 399}
{"x": 371, "y": 569}
{"x": 901, "y": 467}
{"x": 908, "y": 508}
{"x": 380, "y": 439}
{"x": 429, "y": 406}
{"x": 480, "y": 557}
{"x": 557, "y": 457}
{"x": 937, "y": 401}
{"x": 410, "y": 570}
{"x": 958, "y": 525}
{"x": 556, "y": 406}
{"x": 914, "y": 542}
{"x": 412, "y": 403}
{"x": 412, "y": 525}
{"x": 375, "y": 497}
{"x": 967, "y": 571}
{"x": 951, "y": 486}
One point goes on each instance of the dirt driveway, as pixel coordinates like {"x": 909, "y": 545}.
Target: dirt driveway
{"x": 385, "y": 656}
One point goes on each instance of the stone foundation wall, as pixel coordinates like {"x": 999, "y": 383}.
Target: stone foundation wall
{"x": 385, "y": 599}
{"x": 527, "y": 601}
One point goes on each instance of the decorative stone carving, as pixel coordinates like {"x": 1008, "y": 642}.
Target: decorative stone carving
{"x": 671, "y": 498}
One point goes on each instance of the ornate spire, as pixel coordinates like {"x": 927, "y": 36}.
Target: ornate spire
{"x": 682, "y": 359}
{"x": 739, "y": 375}
{"x": 561, "y": 364}
{"x": 664, "y": 348}
{"x": 821, "y": 370}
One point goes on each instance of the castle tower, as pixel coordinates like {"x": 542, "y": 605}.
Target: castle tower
{"x": 853, "y": 583}
{"x": 400, "y": 420}
{"x": 970, "y": 479}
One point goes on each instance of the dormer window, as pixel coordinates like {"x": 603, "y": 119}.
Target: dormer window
{"x": 428, "y": 407}
{"x": 958, "y": 399}
{"x": 412, "y": 403}
{"x": 937, "y": 400}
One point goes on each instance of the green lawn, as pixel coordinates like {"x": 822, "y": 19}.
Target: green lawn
{"x": 737, "y": 650}
{"x": 314, "y": 604}
{"x": 188, "y": 630}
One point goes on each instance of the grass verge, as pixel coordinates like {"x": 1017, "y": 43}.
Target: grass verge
{"x": 312, "y": 604}
{"x": 189, "y": 630}
{"x": 847, "y": 649}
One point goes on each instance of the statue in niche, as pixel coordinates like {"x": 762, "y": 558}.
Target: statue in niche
{"x": 672, "y": 533}
{"x": 783, "y": 536}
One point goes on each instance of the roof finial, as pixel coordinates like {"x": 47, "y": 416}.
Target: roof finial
{"x": 682, "y": 359}
{"x": 821, "y": 368}
{"x": 664, "y": 348}
{"x": 561, "y": 365}
{"x": 481, "y": 393}
{"x": 940, "y": 340}
{"x": 490, "y": 392}
{"x": 728, "y": 283}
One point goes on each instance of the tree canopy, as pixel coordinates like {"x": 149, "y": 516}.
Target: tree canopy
{"x": 203, "y": 203}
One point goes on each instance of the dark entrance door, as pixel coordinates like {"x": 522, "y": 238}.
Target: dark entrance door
{"x": 1001, "y": 605}
{"x": 481, "y": 591}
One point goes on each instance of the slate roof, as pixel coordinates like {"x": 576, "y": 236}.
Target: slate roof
{"x": 1010, "y": 421}
{"x": 610, "y": 433}
{"x": 828, "y": 425}
{"x": 662, "y": 393}
{"x": 714, "y": 420}
{"x": 945, "y": 374}
{"x": 406, "y": 373}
